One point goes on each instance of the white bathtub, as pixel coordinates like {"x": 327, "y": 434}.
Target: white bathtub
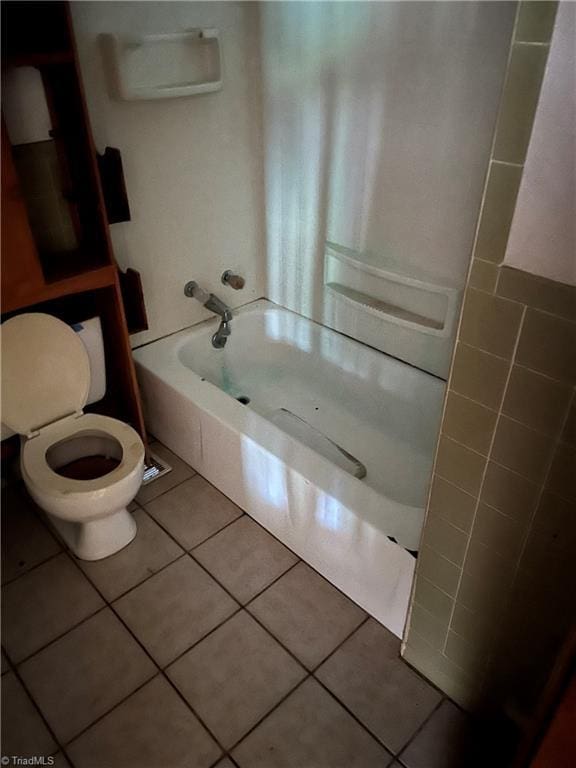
{"x": 322, "y": 409}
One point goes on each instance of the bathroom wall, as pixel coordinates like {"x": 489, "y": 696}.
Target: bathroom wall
{"x": 543, "y": 234}
{"x": 495, "y": 579}
{"x": 378, "y": 119}
{"x": 193, "y": 166}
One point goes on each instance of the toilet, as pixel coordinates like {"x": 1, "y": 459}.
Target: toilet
{"x": 82, "y": 469}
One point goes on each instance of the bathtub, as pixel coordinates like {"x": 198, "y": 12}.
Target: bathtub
{"x": 325, "y": 442}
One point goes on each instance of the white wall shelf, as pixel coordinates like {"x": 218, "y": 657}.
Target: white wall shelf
{"x": 165, "y": 66}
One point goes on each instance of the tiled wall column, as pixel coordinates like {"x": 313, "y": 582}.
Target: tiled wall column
{"x": 494, "y": 573}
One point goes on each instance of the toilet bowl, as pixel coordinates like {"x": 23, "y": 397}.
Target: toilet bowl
{"x": 81, "y": 469}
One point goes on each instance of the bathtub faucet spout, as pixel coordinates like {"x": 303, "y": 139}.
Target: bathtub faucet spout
{"x": 216, "y": 305}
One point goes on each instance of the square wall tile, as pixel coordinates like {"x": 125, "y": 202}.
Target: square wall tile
{"x": 310, "y": 729}
{"x": 180, "y": 471}
{"x": 487, "y": 579}
{"x": 469, "y": 655}
{"x": 367, "y": 674}
{"x": 24, "y": 733}
{"x": 151, "y": 729}
{"x": 479, "y": 375}
{"x": 307, "y": 614}
{"x": 521, "y": 449}
{"x": 193, "y": 511}
{"x": 499, "y": 532}
{"x": 174, "y": 609}
{"x": 438, "y": 603}
{"x": 538, "y": 292}
{"x": 519, "y": 101}
{"x": 81, "y": 676}
{"x": 548, "y": 345}
{"x": 535, "y": 21}
{"x": 445, "y": 539}
{"x": 235, "y": 676}
{"x": 43, "y": 604}
{"x": 509, "y": 492}
{"x": 537, "y": 401}
{"x": 245, "y": 558}
{"x": 490, "y": 323}
{"x": 452, "y": 504}
{"x": 496, "y": 215}
{"x": 432, "y": 629}
{"x": 441, "y": 572}
{"x": 150, "y": 551}
{"x": 469, "y": 423}
{"x": 459, "y": 465}
{"x": 471, "y": 624}
{"x": 483, "y": 275}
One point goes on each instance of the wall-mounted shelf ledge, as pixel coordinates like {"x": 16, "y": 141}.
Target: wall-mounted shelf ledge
{"x": 386, "y": 309}
{"x": 166, "y": 65}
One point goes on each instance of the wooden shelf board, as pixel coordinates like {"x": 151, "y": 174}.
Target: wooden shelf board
{"x": 87, "y": 281}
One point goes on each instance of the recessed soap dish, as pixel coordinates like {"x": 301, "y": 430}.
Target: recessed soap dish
{"x": 164, "y": 66}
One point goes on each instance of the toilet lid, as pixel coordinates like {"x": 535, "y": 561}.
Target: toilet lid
{"x": 45, "y": 372}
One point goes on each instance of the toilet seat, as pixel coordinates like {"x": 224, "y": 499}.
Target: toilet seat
{"x": 41, "y": 475}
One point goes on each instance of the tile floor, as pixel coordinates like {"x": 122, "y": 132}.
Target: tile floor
{"x": 204, "y": 643}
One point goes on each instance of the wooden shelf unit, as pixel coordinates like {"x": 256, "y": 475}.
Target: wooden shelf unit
{"x": 83, "y": 282}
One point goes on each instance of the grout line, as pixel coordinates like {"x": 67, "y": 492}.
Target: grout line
{"x": 212, "y": 535}
{"x": 33, "y": 567}
{"x": 494, "y": 161}
{"x": 537, "y": 43}
{"x": 163, "y": 493}
{"x": 474, "y": 518}
{"x": 354, "y": 716}
{"x": 58, "y": 637}
{"x": 111, "y": 600}
{"x": 314, "y": 669}
{"x": 420, "y": 728}
{"x": 40, "y": 713}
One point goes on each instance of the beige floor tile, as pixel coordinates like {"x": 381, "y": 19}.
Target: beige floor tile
{"x": 442, "y": 742}
{"x": 180, "y": 471}
{"x": 23, "y": 730}
{"x": 235, "y": 676}
{"x": 369, "y": 677}
{"x": 79, "y": 677}
{"x": 307, "y": 614}
{"x": 150, "y": 551}
{"x": 43, "y": 604}
{"x": 151, "y": 729}
{"x": 245, "y": 558}
{"x": 193, "y": 511}
{"x": 225, "y": 763}
{"x": 174, "y": 609}
{"x": 310, "y": 729}
{"x": 26, "y": 541}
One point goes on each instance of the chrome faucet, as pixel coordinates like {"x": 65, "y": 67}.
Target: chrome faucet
{"x": 216, "y": 305}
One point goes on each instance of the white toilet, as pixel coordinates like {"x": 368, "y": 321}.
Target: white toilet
{"x": 45, "y": 385}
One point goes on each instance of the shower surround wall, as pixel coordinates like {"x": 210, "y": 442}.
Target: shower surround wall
{"x": 494, "y": 589}
{"x": 378, "y": 119}
{"x": 193, "y": 166}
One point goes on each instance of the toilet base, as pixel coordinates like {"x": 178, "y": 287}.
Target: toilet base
{"x": 97, "y": 539}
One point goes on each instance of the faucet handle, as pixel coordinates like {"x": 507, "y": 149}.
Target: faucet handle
{"x": 234, "y": 281}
